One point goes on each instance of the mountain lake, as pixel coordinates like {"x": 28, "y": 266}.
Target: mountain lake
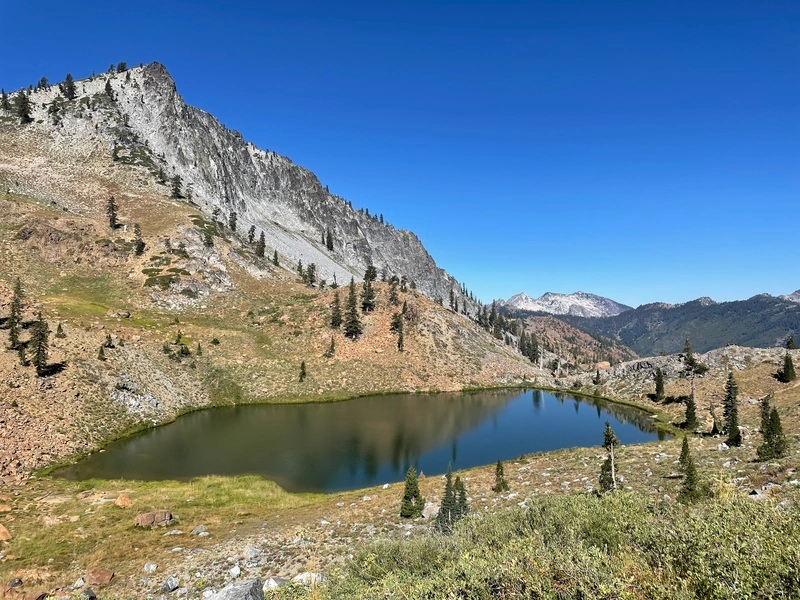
{"x": 363, "y": 442}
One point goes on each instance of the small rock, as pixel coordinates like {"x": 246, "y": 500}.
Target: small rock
{"x": 203, "y": 534}
{"x": 89, "y": 594}
{"x": 170, "y": 585}
{"x": 16, "y": 582}
{"x": 182, "y": 591}
{"x": 174, "y": 532}
{"x": 274, "y": 582}
{"x": 123, "y": 501}
{"x": 756, "y": 495}
{"x": 366, "y": 498}
{"x": 235, "y": 571}
{"x": 251, "y": 552}
{"x": 158, "y": 518}
{"x": 5, "y": 508}
{"x": 251, "y": 589}
{"x": 723, "y": 446}
{"x": 5, "y": 534}
{"x": 386, "y": 486}
{"x": 150, "y": 568}
{"x": 99, "y": 576}
{"x": 309, "y": 577}
{"x": 177, "y": 549}
{"x": 199, "y": 529}
{"x": 79, "y": 583}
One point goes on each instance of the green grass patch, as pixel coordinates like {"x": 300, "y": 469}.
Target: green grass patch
{"x": 162, "y": 281}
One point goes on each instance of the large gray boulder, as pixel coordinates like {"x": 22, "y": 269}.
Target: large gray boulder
{"x": 246, "y": 590}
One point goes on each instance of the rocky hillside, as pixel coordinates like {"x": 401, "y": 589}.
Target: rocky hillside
{"x": 579, "y": 304}
{"x": 188, "y": 314}
{"x": 137, "y": 118}
{"x": 762, "y": 321}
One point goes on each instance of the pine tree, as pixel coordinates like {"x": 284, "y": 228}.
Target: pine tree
{"x": 352, "y": 323}
{"x": 301, "y": 272}
{"x": 447, "y": 508}
{"x": 176, "y": 187}
{"x": 68, "y": 87}
{"x": 412, "y": 503}
{"x": 15, "y": 315}
{"x": 367, "y": 292}
{"x": 311, "y": 274}
{"x": 101, "y": 354}
{"x": 684, "y": 459}
{"x": 108, "y": 342}
{"x": 232, "y": 219}
{"x": 731, "y": 412}
{"x": 396, "y": 323}
{"x": 261, "y": 246}
{"x": 21, "y": 355}
{"x": 60, "y": 332}
{"x": 462, "y": 506}
{"x": 4, "y": 103}
{"x": 111, "y": 211}
{"x": 500, "y": 483}
{"x": 690, "y": 491}
{"x": 331, "y": 349}
{"x": 336, "y": 312}
{"x": 400, "y": 338}
{"x": 22, "y": 108}
{"x": 303, "y": 371}
{"x": 607, "y": 482}
{"x": 394, "y": 300}
{"x": 688, "y": 355}
{"x": 39, "y": 344}
{"x": 274, "y": 258}
{"x": 659, "y": 385}
{"x": 329, "y": 239}
{"x": 109, "y": 91}
{"x": 138, "y": 241}
{"x": 790, "y": 344}
{"x": 775, "y": 444}
{"x": 610, "y": 441}
{"x": 691, "y": 422}
{"x": 199, "y": 351}
{"x": 251, "y": 234}
{"x": 787, "y": 374}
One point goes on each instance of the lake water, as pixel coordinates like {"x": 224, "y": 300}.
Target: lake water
{"x": 363, "y": 442}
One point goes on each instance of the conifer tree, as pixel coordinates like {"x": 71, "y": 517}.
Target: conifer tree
{"x": 787, "y": 373}
{"x": 60, "y": 332}
{"x": 396, "y": 323}
{"x": 462, "y": 506}
{"x": 303, "y": 371}
{"x": 22, "y": 108}
{"x": 311, "y": 274}
{"x": 111, "y": 211}
{"x": 4, "y": 103}
{"x": 500, "y": 483}
{"x": 15, "y": 315}
{"x": 274, "y": 257}
{"x": 606, "y": 480}
{"x": 690, "y": 491}
{"x": 101, "y": 354}
{"x": 21, "y": 355}
{"x": 447, "y": 508}
{"x": 394, "y": 300}
{"x": 261, "y": 246}
{"x": 336, "y": 312}
{"x": 683, "y": 461}
{"x": 175, "y": 190}
{"x": 251, "y": 234}
{"x": 790, "y": 344}
{"x": 39, "y": 344}
{"x": 731, "y": 412}
{"x": 232, "y": 219}
{"x": 691, "y": 422}
{"x": 68, "y": 87}
{"x": 412, "y": 503}
{"x": 301, "y": 273}
{"x": 774, "y": 443}
{"x": 329, "y": 239}
{"x": 138, "y": 241}
{"x": 610, "y": 441}
{"x": 367, "y": 292}
{"x": 659, "y": 385}
{"x": 352, "y": 323}
{"x": 400, "y": 338}
{"x": 199, "y": 351}
{"x": 109, "y": 91}
{"x": 688, "y": 355}
{"x": 108, "y": 342}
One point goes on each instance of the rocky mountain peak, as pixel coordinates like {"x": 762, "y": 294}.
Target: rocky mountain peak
{"x": 581, "y": 304}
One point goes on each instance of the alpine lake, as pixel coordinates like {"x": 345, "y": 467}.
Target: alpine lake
{"x": 363, "y": 442}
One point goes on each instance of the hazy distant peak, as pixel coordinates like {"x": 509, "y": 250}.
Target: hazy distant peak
{"x": 579, "y": 304}
{"x": 793, "y": 297}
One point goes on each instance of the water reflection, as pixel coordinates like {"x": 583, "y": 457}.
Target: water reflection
{"x": 326, "y": 447}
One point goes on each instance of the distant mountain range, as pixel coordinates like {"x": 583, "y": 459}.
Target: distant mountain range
{"x": 760, "y": 321}
{"x": 579, "y": 304}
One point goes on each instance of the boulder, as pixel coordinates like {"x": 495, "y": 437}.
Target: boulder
{"x": 150, "y": 568}
{"x": 99, "y": 576}
{"x": 251, "y": 589}
{"x": 157, "y": 518}
{"x": 123, "y": 501}
{"x": 274, "y": 582}
{"x": 5, "y": 534}
{"x": 170, "y": 585}
{"x": 199, "y": 529}
{"x": 430, "y": 510}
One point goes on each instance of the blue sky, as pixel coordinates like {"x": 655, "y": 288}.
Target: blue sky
{"x": 642, "y": 151}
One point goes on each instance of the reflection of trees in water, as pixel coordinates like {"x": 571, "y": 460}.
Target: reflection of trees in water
{"x": 622, "y": 413}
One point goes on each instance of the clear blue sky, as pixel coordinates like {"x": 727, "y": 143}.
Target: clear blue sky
{"x": 639, "y": 150}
